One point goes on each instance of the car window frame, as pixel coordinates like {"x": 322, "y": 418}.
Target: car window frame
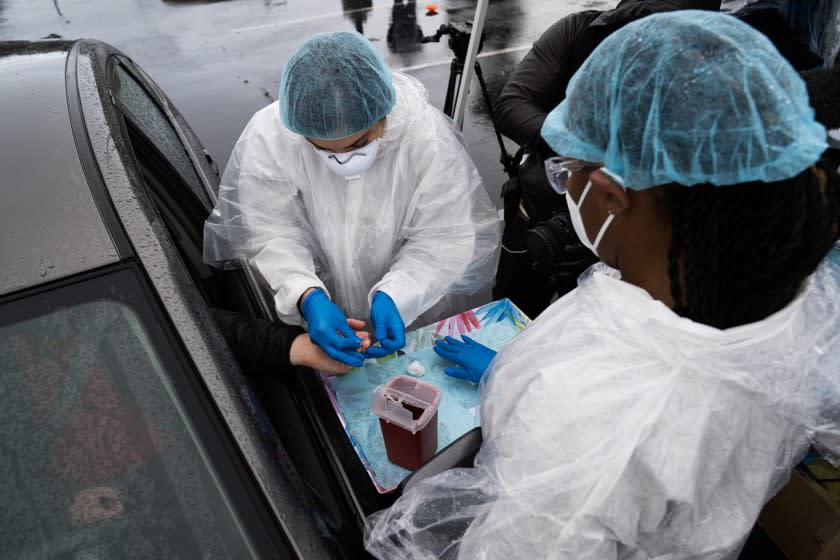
{"x": 217, "y": 442}
{"x": 185, "y": 199}
{"x": 205, "y": 166}
{"x": 176, "y": 205}
{"x": 128, "y": 113}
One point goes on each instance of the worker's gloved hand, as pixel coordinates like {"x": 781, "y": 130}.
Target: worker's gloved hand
{"x": 474, "y": 358}
{"x": 388, "y": 326}
{"x": 328, "y": 329}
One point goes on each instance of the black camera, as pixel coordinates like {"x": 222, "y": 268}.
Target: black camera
{"x": 554, "y": 248}
{"x": 459, "y": 37}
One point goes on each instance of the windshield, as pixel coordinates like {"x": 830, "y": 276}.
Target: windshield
{"x": 99, "y": 457}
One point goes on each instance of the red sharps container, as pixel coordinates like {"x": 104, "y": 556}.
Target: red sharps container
{"x": 407, "y": 411}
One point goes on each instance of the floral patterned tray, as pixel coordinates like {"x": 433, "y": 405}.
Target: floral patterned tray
{"x": 492, "y": 324}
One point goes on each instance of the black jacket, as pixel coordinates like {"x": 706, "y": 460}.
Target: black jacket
{"x": 824, "y": 92}
{"x": 261, "y": 347}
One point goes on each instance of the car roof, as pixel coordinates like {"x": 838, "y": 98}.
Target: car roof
{"x": 50, "y": 226}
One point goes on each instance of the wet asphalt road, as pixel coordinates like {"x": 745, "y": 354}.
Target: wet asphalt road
{"x": 220, "y": 61}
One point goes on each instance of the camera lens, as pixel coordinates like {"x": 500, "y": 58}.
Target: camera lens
{"x": 546, "y": 241}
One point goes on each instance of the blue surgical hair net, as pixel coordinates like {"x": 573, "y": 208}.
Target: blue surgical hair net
{"x": 687, "y": 97}
{"x": 335, "y": 85}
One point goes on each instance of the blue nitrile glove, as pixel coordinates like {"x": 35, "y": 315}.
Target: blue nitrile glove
{"x": 474, "y": 358}
{"x": 388, "y": 326}
{"x": 328, "y": 329}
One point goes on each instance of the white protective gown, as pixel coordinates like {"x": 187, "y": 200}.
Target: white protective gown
{"x": 614, "y": 429}
{"x": 418, "y": 224}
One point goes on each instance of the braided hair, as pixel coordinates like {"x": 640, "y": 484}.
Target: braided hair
{"x": 740, "y": 253}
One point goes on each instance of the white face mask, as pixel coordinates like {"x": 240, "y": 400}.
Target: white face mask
{"x": 350, "y": 163}
{"x": 577, "y": 221}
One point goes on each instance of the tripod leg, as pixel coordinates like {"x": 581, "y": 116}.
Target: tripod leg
{"x": 456, "y": 68}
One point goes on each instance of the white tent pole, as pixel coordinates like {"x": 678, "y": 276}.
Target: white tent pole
{"x": 469, "y": 62}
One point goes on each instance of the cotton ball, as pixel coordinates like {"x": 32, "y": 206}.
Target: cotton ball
{"x": 416, "y": 369}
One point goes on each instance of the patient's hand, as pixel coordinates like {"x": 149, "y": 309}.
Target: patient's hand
{"x": 358, "y": 326}
{"x": 304, "y": 352}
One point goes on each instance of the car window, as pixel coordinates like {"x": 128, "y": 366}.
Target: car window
{"x": 183, "y": 218}
{"x": 148, "y": 117}
{"x": 100, "y": 458}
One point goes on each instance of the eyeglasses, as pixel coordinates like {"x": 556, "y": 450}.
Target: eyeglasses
{"x": 558, "y": 170}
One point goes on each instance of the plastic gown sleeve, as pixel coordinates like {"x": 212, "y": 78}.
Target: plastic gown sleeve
{"x": 450, "y": 238}
{"x": 272, "y": 235}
